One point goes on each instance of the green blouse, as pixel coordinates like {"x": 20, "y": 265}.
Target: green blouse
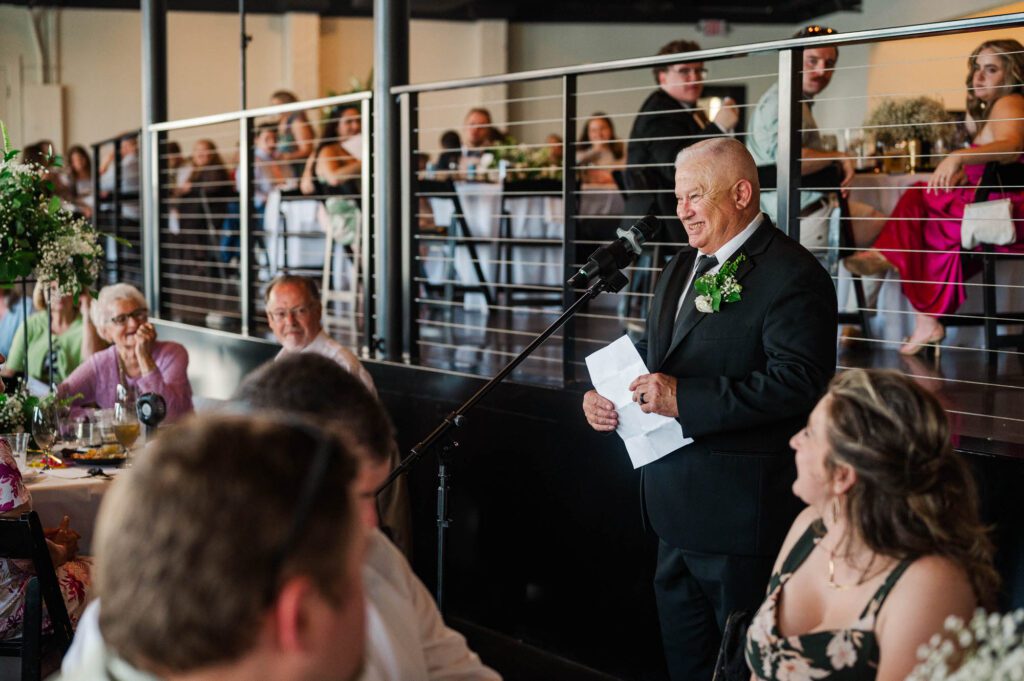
{"x": 843, "y": 654}
{"x": 67, "y": 348}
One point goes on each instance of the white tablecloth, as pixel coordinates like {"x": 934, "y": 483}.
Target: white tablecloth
{"x": 531, "y": 217}
{"x": 895, "y": 319}
{"x": 70, "y": 491}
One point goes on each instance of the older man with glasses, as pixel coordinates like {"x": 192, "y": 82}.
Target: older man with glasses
{"x": 135, "y": 359}
{"x": 293, "y": 312}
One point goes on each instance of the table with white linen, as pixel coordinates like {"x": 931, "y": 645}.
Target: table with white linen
{"x": 530, "y": 217}
{"x": 895, "y": 318}
{"x": 72, "y": 492}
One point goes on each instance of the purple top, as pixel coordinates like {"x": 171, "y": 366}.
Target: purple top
{"x": 96, "y": 378}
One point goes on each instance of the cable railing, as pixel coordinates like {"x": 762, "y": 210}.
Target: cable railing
{"x": 115, "y": 207}
{"x": 243, "y": 197}
{"x": 498, "y": 222}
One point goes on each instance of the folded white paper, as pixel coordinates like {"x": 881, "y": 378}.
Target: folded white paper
{"x": 647, "y": 437}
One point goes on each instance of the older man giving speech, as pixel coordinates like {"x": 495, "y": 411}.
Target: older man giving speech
{"x": 740, "y": 380}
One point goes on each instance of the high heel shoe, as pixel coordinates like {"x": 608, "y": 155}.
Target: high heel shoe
{"x": 930, "y": 346}
{"x": 868, "y": 264}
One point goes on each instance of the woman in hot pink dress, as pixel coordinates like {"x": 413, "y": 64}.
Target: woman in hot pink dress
{"x": 922, "y": 237}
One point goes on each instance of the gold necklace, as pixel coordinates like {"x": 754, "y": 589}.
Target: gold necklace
{"x": 832, "y": 574}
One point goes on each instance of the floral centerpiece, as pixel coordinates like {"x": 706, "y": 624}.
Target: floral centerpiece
{"x": 904, "y": 120}
{"x": 37, "y": 234}
{"x": 525, "y": 162}
{"x": 16, "y": 411}
{"x": 988, "y": 648}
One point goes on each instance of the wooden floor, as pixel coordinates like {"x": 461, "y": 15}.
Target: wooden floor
{"x": 985, "y": 399}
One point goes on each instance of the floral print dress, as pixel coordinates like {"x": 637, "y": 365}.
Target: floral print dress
{"x": 73, "y": 576}
{"x": 842, "y": 654}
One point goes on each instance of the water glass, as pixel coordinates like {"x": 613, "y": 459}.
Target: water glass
{"x": 18, "y": 443}
{"x": 45, "y": 428}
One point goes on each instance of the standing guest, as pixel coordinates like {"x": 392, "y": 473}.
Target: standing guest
{"x": 556, "y": 150}
{"x": 74, "y": 337}
{"x": 894, "y": 512}
{"x": 295, "y": 135}
{"x": 740, "y": 382}
{"x": 478, "y": 133}
{"x": 818, "y": 68}
{"x": 79, "y": 180}
{"x": 129, "y": 150}
{"x": 669, "y": 121}
{"x": 598, "y": 147}
{"x": 135, "y": 358}
{"x": 73, "y": 572}
{"x": 267, "y": 174}
{"x": 232, "y": 551}
{"x": 923, "y": 239}
{"x": 293, "y": 313}
{"x": 14, "y": 309}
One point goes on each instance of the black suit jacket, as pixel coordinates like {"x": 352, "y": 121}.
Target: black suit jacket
{"x": 748, "y": 377}
{"x": 651, "y": 189}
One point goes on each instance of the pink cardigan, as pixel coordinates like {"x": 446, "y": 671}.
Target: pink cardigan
{"x": 96, "y": 378}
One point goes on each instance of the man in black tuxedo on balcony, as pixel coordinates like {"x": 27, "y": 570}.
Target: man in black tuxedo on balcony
{"x": 668, "y": 122}
{"x": 741, "y": 382}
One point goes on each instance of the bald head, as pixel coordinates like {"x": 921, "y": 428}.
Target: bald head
{"x": 717, "y": 191}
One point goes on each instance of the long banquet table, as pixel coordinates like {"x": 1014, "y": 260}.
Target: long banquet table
{"x": 73, "y": 492}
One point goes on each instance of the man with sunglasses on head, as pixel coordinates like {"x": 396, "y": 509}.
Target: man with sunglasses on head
{"x": 293, "y": 312}
{"x": 668, "y": 122}
{"x": 819, "y": 65}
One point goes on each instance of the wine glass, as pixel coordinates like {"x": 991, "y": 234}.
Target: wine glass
{"x": 126, "y": 426}
{"x": 44, "y": 427}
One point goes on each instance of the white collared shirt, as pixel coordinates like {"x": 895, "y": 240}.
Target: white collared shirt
{"x": 723, "y": 254}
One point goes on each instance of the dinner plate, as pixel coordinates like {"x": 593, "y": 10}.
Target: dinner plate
{"x": 94, "y": 460}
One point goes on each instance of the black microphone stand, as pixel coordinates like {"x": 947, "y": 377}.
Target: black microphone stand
{"x": 613, "y": 283}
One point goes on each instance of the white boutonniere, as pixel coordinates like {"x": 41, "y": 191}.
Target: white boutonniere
{"x": 720, "y": 287}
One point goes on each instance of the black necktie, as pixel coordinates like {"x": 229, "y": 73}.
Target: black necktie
{"x": 704, "y": 264}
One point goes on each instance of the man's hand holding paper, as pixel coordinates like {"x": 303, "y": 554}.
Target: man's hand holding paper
{"x": 648, "y": 435}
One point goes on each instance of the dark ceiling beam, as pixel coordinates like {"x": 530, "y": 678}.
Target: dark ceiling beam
{"x": 526, "y": 11}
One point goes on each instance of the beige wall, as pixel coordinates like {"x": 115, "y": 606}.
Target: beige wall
{"x": 99, "y": 53}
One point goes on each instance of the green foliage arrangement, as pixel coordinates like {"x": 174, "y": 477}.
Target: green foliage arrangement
{"x": 37, "y": 234}
{"x": 908, "y": 119}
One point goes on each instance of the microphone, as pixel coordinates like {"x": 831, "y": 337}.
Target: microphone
{"x": 619, "y": 253}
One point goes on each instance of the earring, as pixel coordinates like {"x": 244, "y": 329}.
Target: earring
{"x": 835, "y": 510}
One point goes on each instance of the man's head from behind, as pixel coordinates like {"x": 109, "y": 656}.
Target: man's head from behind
{"x": 717, "y": 192}
{"x": 317, "y": 387}
{"x": 683, "y": 82}
{"x": 211, "y": 560}
{"x": 819, "y": 62}
{"x": 293, "y": 311}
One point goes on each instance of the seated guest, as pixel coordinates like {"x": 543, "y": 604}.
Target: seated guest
{"x": 334, "y": 167}
{"x": 72, "y": 571}
{"x": 893, "y": 514}
{"x": 295, "y": 135}
{"x": 408, "y": 639}
{"x": 13, "y": 311}
{"x": 599, "y": 147}
{"x": 293, "y": 312}
{"x": 451, "y": 147}
{"x": 72, "y": 331}
{"x": 135, "y": 359}
{"x": 79, "y": 180}
{"x": 922, "y": 239}
{"x": 231, "y": 552}
{"x": 555, "y": 149}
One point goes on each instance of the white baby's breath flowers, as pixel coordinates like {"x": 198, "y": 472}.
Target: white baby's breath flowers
{"x": 988, "y": 648}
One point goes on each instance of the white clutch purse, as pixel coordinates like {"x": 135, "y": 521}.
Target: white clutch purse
{"x": 987, "y": 222}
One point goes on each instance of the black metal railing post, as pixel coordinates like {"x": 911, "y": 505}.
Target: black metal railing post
{"x": 408, "y": 104}
{"x": 569, "y": 203}
{"x": 787, "y": 158}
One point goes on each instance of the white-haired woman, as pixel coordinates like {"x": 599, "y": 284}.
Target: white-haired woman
{"x": 135, "y": 357}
